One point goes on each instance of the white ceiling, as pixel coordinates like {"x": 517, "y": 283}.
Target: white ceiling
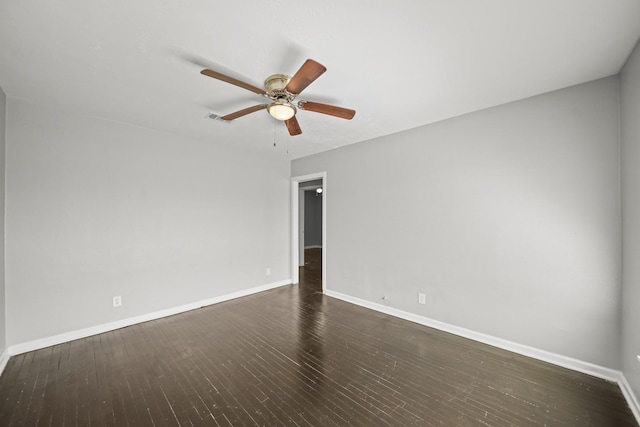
{"x": 400, "y": 64}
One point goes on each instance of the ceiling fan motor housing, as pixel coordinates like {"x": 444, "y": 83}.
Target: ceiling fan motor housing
{"x": 281, "y": 109}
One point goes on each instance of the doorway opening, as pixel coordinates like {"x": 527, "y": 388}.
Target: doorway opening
{"x": 308, "y": 231}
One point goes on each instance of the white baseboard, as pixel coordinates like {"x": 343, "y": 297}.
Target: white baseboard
{"x": 4, "y": 358}
{"x": 111, "y": 326}
{"x": 313, "y": 247}
{"x": 628, "y": 393}
{"x": 546, "y": 356}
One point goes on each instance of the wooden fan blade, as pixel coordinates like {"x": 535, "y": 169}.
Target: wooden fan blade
{"x": 293, "y": 126}
{"x": 309, "y": 71}
{"x": 332, "y": 110}
{"x": 244, "y": 112}
{"x": 236, "y": 82}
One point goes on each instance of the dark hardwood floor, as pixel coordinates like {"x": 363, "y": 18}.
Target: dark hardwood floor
{"x": 292, "y": 356}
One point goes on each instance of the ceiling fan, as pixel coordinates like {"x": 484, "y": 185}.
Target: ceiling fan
{"x": 282, "y": 90}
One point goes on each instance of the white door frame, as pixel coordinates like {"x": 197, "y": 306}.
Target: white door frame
{"x": 295, "y": 241}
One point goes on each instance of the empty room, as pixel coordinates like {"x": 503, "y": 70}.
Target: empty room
{"x": 269, "y": 213}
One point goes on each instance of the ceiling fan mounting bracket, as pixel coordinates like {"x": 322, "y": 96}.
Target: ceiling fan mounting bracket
{"x": 276, "y": 83}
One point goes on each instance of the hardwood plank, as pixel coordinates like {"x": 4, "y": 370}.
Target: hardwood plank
{"x": 293, "y": 356}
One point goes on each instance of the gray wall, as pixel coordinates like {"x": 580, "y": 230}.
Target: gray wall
{"x": 312, "y": 219}
{"x": 97, "y": 209}
{"x": 507, "y": 218}
{"x": 3, "y": 329}
{"x": 630, "y": 95}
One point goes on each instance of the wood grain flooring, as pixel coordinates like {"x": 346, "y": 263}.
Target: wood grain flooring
{"x": 293, "y": 356}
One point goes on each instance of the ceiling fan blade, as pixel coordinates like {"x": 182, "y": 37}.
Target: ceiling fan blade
{"x": 236, "y": 82}
{"x": 244, "y": 112}
{"x": 306, "y": 75}
{"x": 332, "y": 110}
{"x": 293, "y": 126}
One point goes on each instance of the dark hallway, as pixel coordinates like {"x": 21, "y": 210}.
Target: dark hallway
{"x": 311, "y": 273}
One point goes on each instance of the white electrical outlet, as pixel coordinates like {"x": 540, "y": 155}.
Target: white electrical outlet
{"x": 422, "y": 298}
{"x": 117, "y": 301}
{"x": 268, "y": 271}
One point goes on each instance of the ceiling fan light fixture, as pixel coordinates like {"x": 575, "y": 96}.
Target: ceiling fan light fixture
{"x": 281, "y": 111}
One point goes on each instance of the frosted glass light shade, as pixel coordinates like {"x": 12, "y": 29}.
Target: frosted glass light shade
{"x": 281, "y": 111}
